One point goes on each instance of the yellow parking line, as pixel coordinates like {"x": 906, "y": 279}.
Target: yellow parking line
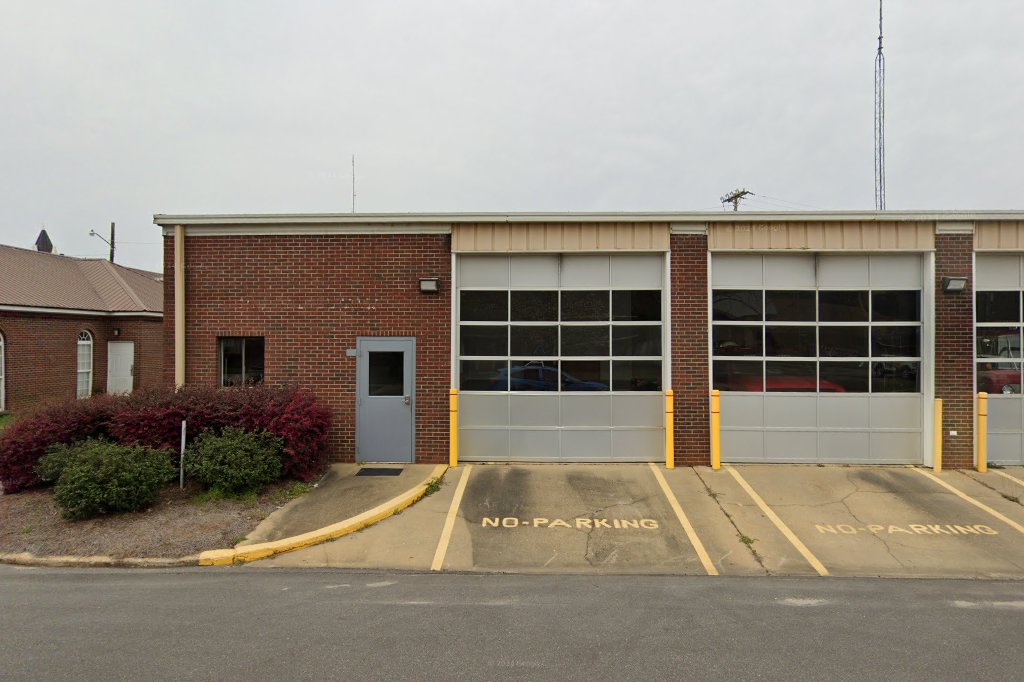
{"x": 783, "y": 528}
{"x": 1006, "y": 475}
{"x": 964, "y": 496}
{"x": 449, "y": 521}
{"x": 687, "y": 526}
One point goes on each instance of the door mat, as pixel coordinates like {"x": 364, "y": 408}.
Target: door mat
{"x": 379, "y": 471}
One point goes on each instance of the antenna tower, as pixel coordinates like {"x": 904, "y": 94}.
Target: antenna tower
{"x": 879, "y": 119}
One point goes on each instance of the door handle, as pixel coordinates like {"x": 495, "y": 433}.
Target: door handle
{"x": 407, "y": 399}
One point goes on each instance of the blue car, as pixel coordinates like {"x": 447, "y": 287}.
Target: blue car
{"x": 541, "y": 378}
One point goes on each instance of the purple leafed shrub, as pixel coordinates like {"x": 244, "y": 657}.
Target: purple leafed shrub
{"x": 153, "y": 418}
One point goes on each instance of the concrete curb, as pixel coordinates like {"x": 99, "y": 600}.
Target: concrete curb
{"x": 246, "y": 553}
{"x": 99, "y": 561}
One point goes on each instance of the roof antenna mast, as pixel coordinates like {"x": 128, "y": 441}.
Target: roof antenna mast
{"x": 879, "y": 119}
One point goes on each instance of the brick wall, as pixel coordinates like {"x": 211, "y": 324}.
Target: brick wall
{"x": 310, "y": 297}
{"x": 690, "y": 349}
{"x": 41, "y": 355}
{"x": 954, "y": 348}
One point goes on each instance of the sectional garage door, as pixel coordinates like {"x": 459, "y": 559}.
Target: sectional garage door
{"x": 820, "y": 358}
{"x": 560, "y": 357}
{"x": 999, "y": 281}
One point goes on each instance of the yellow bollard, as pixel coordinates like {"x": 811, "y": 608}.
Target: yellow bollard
{"x": 982, "y": 432}
{"x": 670, "y": 420}
{"x": 453, "y": 427}
{"x": 937, "y": 456}
{"x": 716, "y": 430}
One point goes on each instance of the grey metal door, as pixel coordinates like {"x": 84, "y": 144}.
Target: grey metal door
{"x": 385, "y": 399}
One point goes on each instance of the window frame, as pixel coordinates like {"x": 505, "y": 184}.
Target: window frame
{"x": 1017, "y": 360}
{"x": 818, "y": 359}
{"x": 245, "y": 368}
{"x": 556, "y": 360}
{"x": 3, "y": 373}
{"x": 85, "y": 339}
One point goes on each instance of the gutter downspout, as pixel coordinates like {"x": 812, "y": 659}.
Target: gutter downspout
{"x": 179, "y": 306}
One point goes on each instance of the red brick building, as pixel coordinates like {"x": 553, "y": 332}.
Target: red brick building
{"x": 829, "y": 335}
{"x": 73, "y": 327}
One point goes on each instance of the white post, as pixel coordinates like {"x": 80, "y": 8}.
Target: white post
{"x": 181, "y": 458}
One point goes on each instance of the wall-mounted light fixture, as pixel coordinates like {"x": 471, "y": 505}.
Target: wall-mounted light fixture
{"x": 117, "y": 331}
{"x": 954, "y": 285}
{"x": 430, "y": 285}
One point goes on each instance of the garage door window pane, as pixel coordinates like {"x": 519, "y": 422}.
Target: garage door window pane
{"x": 585, "y": 306}
{"x": 533, "y": 375}
{"x": 998, "y": 342}
{"x": 483, "y": 375}
{"x": 738, "y": 375}
{"x": 843, "y": 342}
{"x": 535, "y": 306}
{"x": 585, "y": 340}
{"x": 843, "y": 377}
{"x": 483, "y": 306}
{"x": 790, "y": 306}
{"x": 843, "y": 306}
{"x": 534, "y": 340}
{"x": 895, "y": 377}
{"x": 636, "y": 375}
{"x": 896, "y": 306}
{"x": 998, "y": 306}
{"x": 790, "y": 341}
{"x": 999, "y": 377}
{"x": 736, "y": 340}
{"x": 636, "y": 306}
{"x": 895, "y": 341}
{"x": 735, "y": 305}
{"x": 791, "y": 376}
{"x": 636, "y": 340}
{"x": 585, "y": 375}
{"x": 483, "y": 340}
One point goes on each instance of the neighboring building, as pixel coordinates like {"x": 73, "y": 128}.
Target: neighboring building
{"x": 830, "y": 334}
{"x": 74, "y": 327}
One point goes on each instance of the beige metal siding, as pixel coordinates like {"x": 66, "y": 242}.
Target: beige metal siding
{"x": 839, "y": 235}
{"x": 999, "y": 234}
{"x": 559, "y": 237}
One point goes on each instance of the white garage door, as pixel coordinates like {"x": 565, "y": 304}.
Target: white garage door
{"x": 560, "y": 358}
{"x": 998, "y": 283}
{"x": 819, "y": 357}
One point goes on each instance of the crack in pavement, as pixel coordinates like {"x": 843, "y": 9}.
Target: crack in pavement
{"x": 844, "y": 502}
{"x": 739, "y": 533}
{"x": 587, "y": 554}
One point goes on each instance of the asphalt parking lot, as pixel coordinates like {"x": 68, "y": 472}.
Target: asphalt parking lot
{"x": 740, "y": 520}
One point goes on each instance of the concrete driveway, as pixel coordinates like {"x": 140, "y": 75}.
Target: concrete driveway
{"x": 740, "y": 520}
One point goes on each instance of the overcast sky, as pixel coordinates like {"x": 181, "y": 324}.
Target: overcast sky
{"x": 114, "y": 111}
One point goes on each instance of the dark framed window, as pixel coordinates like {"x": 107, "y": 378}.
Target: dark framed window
{"x": 997, "y": 341}
{"x": 241, "y": 360}
{"x": 820, "y": 340}
{"x": 569, "y": 340}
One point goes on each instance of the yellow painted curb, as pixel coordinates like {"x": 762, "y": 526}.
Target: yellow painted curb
{"x": 247, "y": 553}
{"x": 98, "y": 561}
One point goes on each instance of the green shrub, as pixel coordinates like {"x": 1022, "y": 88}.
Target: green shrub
{"x": 57, "y": 457}
{"x": 97, "y": 477}
{"x": 235, "y": 461}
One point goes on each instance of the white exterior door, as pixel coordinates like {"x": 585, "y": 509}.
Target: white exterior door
{"x": 120, "y": 366}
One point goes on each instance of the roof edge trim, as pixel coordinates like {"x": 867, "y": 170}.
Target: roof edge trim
{"x": 78, "y": 312}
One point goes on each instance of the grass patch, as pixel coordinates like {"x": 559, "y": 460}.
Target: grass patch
{"x": 5, "y": 419}
{"x": 433, "y": 485}
{"x": 297, "y": 489}
{"x": 746, "y": 539}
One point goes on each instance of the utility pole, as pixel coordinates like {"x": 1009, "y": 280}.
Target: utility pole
{"x": 879, "y": 119}
{"x": 353, "y": 183}
{"x": 734, "y": 198}
{"x": 94, "y": 233}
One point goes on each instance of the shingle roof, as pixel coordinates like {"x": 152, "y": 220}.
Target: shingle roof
{"x": 45, "y": 280}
